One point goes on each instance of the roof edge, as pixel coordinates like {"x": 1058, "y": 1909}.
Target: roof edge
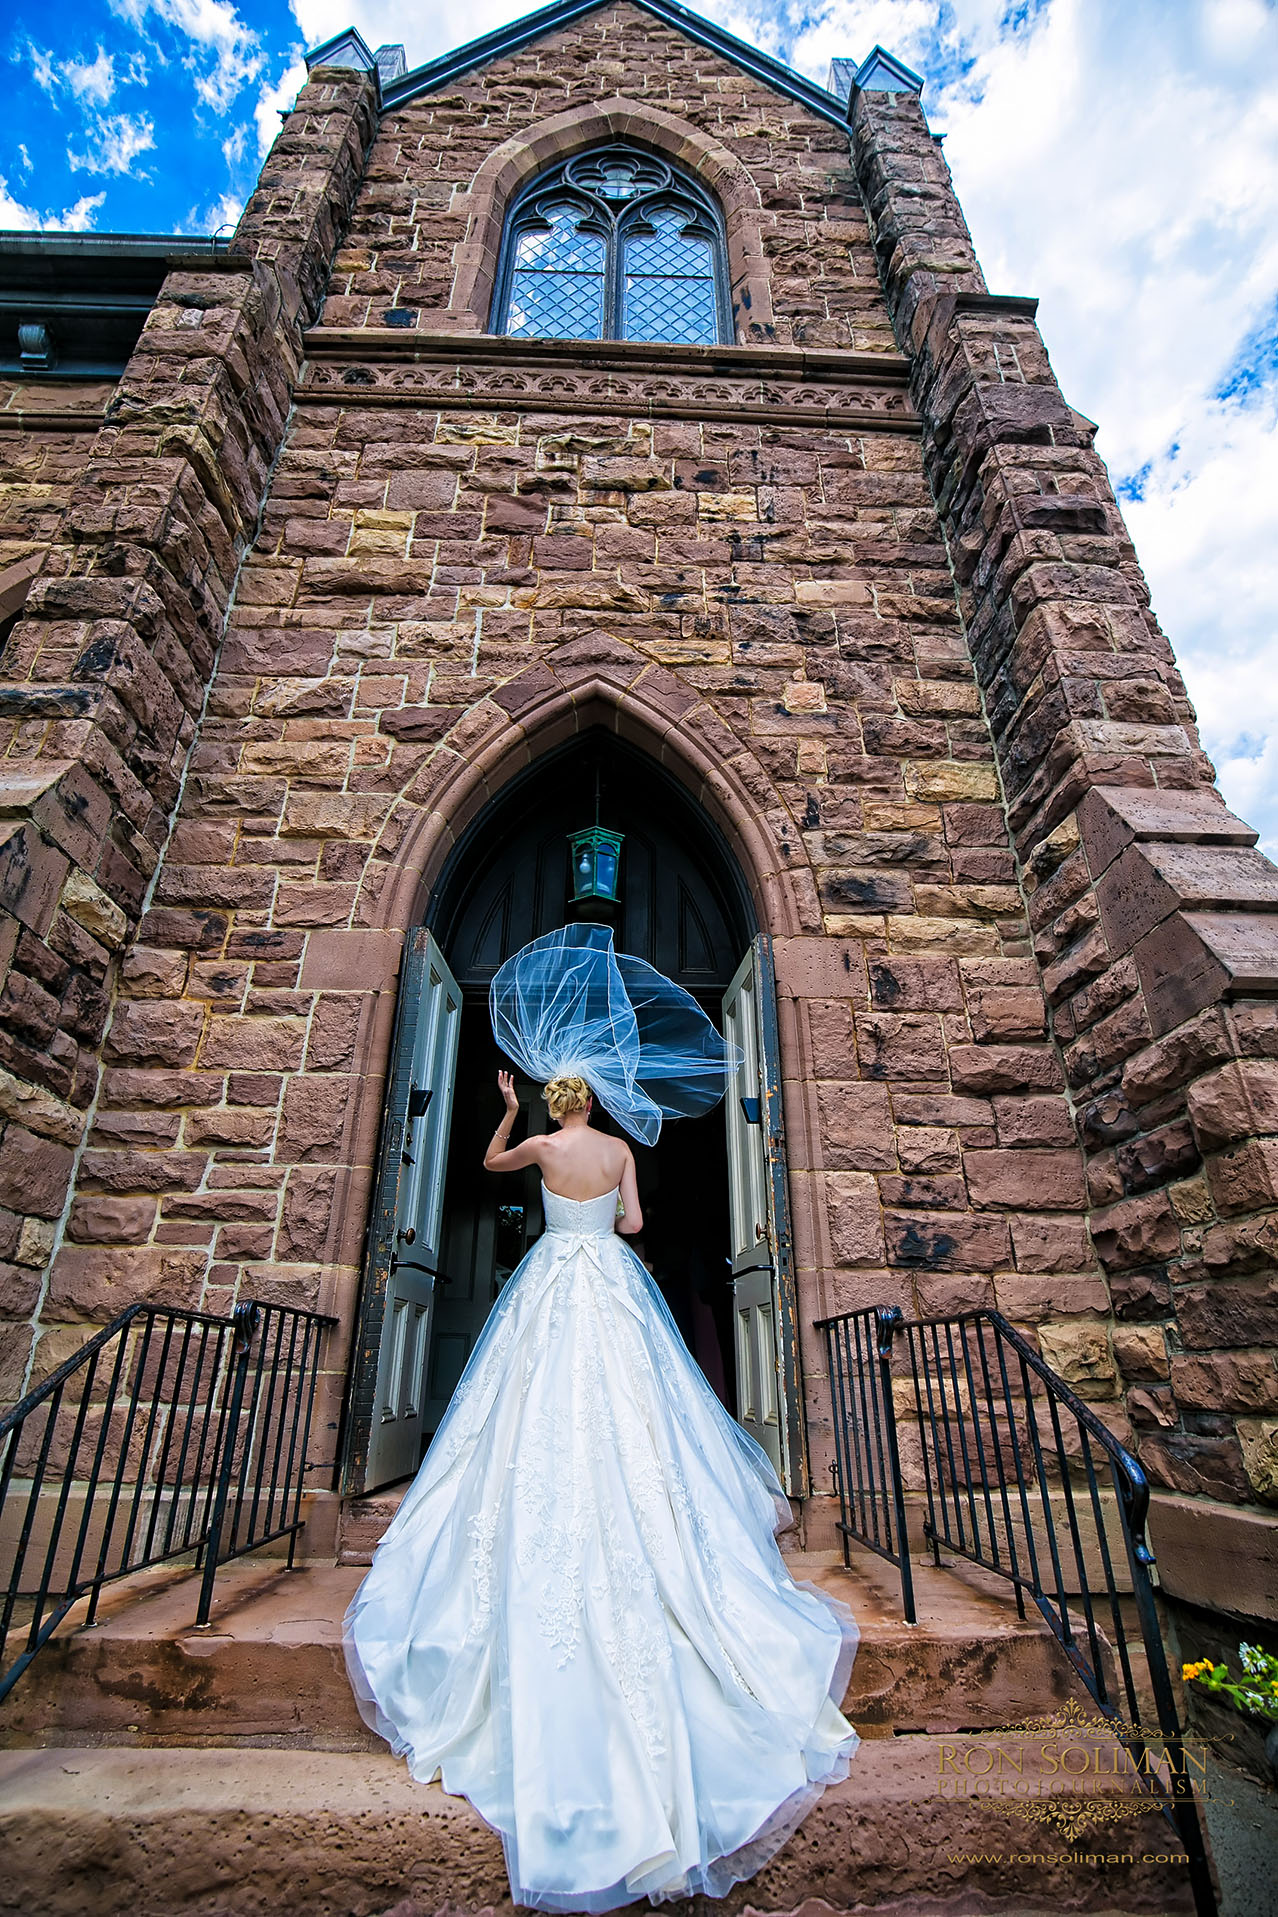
{"x": 561, "y": 13}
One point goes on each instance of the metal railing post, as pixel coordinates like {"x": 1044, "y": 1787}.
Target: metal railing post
{"x": 245, "y": 1319}
{"x": 889, "y": 1319}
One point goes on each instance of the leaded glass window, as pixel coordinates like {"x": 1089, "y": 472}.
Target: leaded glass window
{"x": 614, "y": 244}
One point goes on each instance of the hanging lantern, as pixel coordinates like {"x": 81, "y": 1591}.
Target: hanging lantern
{"x": 596, "y": 863}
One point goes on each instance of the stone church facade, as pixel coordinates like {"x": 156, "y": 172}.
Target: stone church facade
{"x": 295, "y": 596}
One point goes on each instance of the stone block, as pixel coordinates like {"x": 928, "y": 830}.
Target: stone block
{"x": 254, "y": 1044}
{"x": 1245, "y": 1180}
{"x": 306, "y": 1217}
{"x": 20, "y": 1288}
{"x": 314, "y": 1122}
{"x": 39, "y": 1110}
{"x": 1024, "y": 1180}
{"x": 1226, "y": 1381}
{"x": 906, "y": 1047}
{"x": 1004, "y": 1068}
{"x": 1051, "y": 1244}
{"x": 1137, "y": 1231}
{"x": 1033, "y": 1121}
{"x": 856, "y": 1226}
{"x": 816, "y": 968}
{"x": 147, "y": 1032}
{"x": 1141, "y": 1352}
{"x": 832, "y": 1033}
{"x": 947, "y": 1241}
{"x": 95, "y": 1282}
{"x": 1236, "y": 1102}
{"x": 32, "y": 873}
{"x": 34, "y": 1172}
{"x": 856, "y": 1126}
{"x": 96, "y": 1219}
{"x": 1080, "y": 1354}
{"x": 89, "y": 906}
{"x": 1111, "y": 817}
{"x": 1238, "y": 1311}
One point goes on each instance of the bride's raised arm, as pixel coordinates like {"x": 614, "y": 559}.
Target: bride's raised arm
{"x": 497, "y": 1158}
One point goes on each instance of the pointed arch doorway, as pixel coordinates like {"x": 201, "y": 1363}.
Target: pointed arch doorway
{"x": 445, "y": 1235}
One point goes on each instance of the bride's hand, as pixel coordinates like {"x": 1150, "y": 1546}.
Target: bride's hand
{"x": 506, "y": 1086}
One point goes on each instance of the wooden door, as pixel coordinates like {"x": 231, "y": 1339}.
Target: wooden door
{"x": 769, "y": 1400}
{"x": 405, "y": 1242}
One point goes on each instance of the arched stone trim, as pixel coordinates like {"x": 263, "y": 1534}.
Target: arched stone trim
{"x": 508, "y": 166}
{"x": 594, "y": 680}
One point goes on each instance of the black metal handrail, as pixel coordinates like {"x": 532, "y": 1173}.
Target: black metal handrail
{"x": 168, "y": 1432}
{"x": 1021, "y": 1477}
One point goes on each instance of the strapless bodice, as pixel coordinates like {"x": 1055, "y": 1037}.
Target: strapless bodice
{"x": 582, "y": 1217}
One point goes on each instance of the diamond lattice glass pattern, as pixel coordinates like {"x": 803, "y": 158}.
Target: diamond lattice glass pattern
{"x": 670, "y": 284}
{"x": 556, "y": 289}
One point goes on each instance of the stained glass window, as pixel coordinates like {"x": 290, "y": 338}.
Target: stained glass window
{"x": 613, "y": 244}
{"x": 557, "y": 280}
{"x": 669, "y": 283}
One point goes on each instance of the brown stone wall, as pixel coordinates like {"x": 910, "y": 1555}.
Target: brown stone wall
{"x": 104, "y": 677}
{"x": 439, "y": 592}
{"x": 422, "y": 244}
{"x": 472, "y": 549}
{"x": 1151, "y": 911}
{"x": 469, "y": 550}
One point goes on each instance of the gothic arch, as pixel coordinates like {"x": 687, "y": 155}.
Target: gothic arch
{"x": 595, "y": 680}
{"x": 525, "y": 154}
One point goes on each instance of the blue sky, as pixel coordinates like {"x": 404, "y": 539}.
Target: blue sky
{"x": 1118, "y": 158}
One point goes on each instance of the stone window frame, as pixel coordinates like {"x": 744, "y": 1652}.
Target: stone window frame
{"x": 614, "y": 222}
{"x": 518, "y": 160}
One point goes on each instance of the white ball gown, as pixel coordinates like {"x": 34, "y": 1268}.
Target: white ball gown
{"x": 579, "y": 1618}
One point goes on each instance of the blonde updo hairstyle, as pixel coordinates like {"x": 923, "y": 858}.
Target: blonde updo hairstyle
{"x": 565, "y": 1094}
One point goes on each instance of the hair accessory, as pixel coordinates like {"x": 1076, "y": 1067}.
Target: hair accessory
{"x": 568, "y": 1004}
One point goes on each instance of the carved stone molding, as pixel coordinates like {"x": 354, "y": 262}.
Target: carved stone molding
{"x": 771, "y": 386}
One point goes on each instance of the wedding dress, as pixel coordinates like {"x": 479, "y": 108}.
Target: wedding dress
{"x": 579, "y": 1618}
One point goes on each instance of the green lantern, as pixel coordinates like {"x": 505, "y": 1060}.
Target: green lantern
{"x": 596, "y": 863}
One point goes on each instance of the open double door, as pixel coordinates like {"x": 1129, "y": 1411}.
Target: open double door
{"x": 390, "y": 1412}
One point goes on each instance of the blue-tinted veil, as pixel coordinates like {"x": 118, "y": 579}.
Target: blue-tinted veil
{"x": 568, "y": 1003}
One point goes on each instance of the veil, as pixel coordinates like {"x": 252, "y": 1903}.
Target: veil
{"x": 568, "y": 1003}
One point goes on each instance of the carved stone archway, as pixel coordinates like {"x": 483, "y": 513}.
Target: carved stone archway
{"x": 516, "y": 160}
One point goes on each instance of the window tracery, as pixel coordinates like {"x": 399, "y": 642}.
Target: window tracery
{"x": 613, "y": 244}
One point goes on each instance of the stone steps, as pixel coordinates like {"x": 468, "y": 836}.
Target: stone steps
{"x": 250, "y": 1833}
{"x": 269, "y": 1667}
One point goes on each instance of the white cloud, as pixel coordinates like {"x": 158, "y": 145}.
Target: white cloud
{"x": 220, "y": 218}
{"x": 273, "y": 100}
{"x": 93, "y": 81}
{"x": 43, "y": 70}
{"x": 233, "y": 146}
{"x": 25, "y": 157}
{"x": 116, "y": 139}
{"x": 25, "y": 219}
{"x": 226, "y": 53}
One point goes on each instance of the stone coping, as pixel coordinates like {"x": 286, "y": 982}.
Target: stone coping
{"x": 362, "y": 366}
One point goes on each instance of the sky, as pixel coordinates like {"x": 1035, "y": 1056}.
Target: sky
{"x": 1117, "y": 158}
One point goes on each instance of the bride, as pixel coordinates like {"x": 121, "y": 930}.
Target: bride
{"x": 579, "y": 1618}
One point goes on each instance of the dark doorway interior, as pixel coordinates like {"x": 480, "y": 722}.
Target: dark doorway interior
{"x": 683, "y": 907}
{"x": 682, "y": 904}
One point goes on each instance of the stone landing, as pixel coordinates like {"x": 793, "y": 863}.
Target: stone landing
{"x": 253, "y": 1833}
{"x": 160, "y": 1771}
{"x": 269, "y": 1667}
